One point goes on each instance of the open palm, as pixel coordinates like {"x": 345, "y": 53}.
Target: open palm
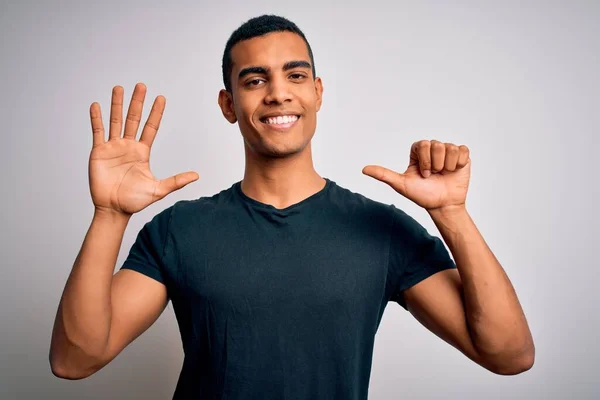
{"x": 119, "y": 168}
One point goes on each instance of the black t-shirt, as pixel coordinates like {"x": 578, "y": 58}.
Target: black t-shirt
{"x": 282, "y": 303}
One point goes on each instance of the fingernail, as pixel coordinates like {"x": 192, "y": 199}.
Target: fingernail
{"x": 426, "y": 173}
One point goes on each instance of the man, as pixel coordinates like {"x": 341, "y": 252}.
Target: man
{"x": 279, "y": 282}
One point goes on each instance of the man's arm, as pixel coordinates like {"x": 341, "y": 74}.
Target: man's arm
{"x": 99, "y": 314}
{"x": 474, "y": 307}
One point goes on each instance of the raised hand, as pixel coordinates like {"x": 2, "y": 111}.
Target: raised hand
{"x": 437, "y": 176}
{"x": 119, "y": 168}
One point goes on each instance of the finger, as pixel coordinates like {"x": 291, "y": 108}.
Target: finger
{"x": 414, "y": 155}
{"x": 116, "y": 113}
{"x": 424, "y": 154}
{"x": 438, "y": 154}
{"x": 392, "y": 178}
{"x": 452, "y": 153}
{"x": 134, "y": 113}
{"x": 153, "y": 122}
{"x": 173, "y": 183}
{"x": 463, "y": 156}
{"x": 97, "y": 125}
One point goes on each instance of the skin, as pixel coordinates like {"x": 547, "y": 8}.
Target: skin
{"x": 99, "y": 313}
{"x": 474, "y": 308}
{"x": 279, "y": 168}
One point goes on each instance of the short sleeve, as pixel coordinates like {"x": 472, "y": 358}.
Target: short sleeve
{"x": 415, "y": 254}
{"x": 147, "y": 252}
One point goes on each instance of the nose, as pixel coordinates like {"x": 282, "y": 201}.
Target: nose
{"x": 278, "y": 91}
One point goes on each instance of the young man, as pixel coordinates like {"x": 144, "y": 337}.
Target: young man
{"x": 279, "y": 282}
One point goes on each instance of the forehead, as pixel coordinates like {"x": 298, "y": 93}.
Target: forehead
{"x": 271, "y": 50}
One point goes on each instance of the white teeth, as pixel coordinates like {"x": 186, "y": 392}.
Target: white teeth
{"x": 284, "y": 119}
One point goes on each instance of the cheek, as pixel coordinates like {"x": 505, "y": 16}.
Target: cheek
{"x": 241, "y": 104}
{"x": 246, "y": 110}
{"x": 245, "y": 115}
{"x": 310, "y": 99}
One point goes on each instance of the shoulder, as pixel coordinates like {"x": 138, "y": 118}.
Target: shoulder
{"x": 393, "y": 217}
{"x": 360, "y": 205}
{"x": 204, "y": 204}
{"x": 192, "y": 211}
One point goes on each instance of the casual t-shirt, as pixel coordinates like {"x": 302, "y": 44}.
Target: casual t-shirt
{"x": 282, "y": 303}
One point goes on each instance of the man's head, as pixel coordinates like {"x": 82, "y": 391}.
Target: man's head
{"x": 255, "y": 27}
{"x": 270, "y": 86}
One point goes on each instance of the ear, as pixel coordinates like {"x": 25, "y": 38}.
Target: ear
{"x": 319, "y": 90}
{"x": 226, "y": 104}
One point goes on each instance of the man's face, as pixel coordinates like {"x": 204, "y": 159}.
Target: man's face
{"x": 275, "y": 96}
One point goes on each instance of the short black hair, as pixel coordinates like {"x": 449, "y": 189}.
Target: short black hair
{"x": 259, "y": 26}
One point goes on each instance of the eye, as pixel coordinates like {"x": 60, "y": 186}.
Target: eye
{"x": 297, "y": 76}
{"x": 254, "y": 82}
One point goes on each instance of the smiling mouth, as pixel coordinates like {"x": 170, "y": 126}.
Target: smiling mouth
{"x": 282, "y": 122}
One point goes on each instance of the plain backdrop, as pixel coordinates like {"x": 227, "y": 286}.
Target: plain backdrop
{"x": 516, "y": 81}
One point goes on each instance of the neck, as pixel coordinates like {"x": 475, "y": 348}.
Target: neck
{"x": 281, "y": 182}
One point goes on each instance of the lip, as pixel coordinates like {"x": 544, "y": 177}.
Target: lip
{"x": 280, "y": 127}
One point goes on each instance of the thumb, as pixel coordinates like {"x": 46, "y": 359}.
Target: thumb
{"x": 392, "y": 178}
{"x": 175, "y": 182}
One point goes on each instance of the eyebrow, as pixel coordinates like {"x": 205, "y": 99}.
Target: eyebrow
{"x": 263, "y": 70}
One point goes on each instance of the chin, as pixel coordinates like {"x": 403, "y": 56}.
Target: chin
{"x": 279, "y": 150}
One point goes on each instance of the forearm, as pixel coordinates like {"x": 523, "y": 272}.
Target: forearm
{"x": 82, "y": 324}
{"x": 498, "y": 326}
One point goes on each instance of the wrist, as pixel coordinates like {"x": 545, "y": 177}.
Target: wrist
{"x": 109, "y": 215}
{"x": 448, "y": 211}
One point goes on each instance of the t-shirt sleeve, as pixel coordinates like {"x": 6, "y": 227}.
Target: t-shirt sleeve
{"x": 146, "y": 255}
{"x": 415, "y": 254}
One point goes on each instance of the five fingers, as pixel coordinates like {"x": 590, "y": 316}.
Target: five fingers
{"x": 434, "y": 156}
{"x": 133, "y": 119}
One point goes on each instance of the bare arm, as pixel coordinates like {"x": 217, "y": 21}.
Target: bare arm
{"x": 100, "y": 314}
{"x": 475, "y": 307}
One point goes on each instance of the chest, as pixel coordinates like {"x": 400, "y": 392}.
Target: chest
{"x": 255, "y": 272}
